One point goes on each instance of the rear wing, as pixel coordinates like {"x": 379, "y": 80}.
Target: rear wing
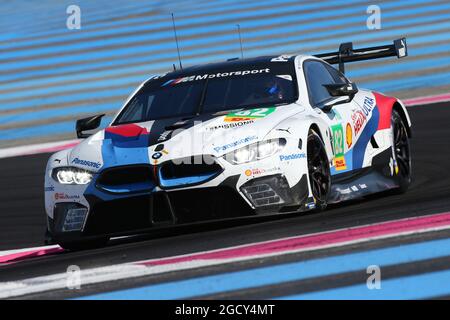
{"x": 347, "y": 54}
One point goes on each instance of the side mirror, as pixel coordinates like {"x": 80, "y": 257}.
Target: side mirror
{"x": 341, "y": 90}
{"x": 87, "y": 124}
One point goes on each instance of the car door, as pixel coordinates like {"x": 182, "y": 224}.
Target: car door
{"x": 337, "y": 115}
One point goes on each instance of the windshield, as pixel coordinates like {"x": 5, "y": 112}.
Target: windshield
{"x": 209, "y": 93}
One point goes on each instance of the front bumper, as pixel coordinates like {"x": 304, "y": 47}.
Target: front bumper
{"x": 136, "y": 213}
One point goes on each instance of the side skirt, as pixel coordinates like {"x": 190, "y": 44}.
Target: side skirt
{"x": 362, "y": 182}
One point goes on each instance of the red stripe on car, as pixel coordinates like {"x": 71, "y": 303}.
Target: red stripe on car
{"x": 127, "y": 130}
{"x": 384, "y": 104}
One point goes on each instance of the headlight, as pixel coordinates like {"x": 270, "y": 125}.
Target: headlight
{"x": 255, "y": 151}
{"x": 71, "y": 175}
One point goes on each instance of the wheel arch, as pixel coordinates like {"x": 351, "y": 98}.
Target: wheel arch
{"x": 324, "y": 136}
{"x": 315, "y": 127}
{"x": 400, "y": 108}
{"x": 385, "y": 105}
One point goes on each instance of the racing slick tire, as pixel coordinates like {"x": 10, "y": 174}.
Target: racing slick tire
{"x": 402, "y": 152}
{"x": 318, "y": 170}
{"x": 84, "y": 245}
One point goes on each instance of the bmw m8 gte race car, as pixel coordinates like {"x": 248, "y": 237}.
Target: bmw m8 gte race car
{"x": 245, "y": 137}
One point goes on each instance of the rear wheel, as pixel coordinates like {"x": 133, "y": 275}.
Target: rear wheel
{"x": 319, "y": 170}
{"x": 84, "y": 244}
{"x": 402, "y": 152}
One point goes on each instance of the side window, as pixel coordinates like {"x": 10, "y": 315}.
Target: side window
{"x": 135, "y": 111}
{"x": 337, "y": 75}
{"x": 316, "y": 75}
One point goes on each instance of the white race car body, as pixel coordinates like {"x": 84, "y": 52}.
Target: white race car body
{"x": 175, "y": 169}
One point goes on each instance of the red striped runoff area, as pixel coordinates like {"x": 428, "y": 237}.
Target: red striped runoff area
{"x": 300, "y": 243}
{"x": 427, "y": 100}
{"x": 319, "y": 240}
{"x": 11, "y": 256}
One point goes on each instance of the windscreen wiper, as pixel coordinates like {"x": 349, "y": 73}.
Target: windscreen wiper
{"x": 179, "y": 124}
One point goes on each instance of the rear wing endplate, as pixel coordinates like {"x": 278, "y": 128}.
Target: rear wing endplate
{"x": 347, "y": 54}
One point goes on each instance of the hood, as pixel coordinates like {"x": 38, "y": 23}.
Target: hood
{"x": 160, "y": 140}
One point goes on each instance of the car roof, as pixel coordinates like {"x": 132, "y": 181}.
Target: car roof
{"x": 232, "y": 64}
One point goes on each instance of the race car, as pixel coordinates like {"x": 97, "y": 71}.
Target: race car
{"x": 241, "y": 138}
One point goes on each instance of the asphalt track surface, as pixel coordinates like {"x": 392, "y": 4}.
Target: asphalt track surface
{"x": 22, "y": 224}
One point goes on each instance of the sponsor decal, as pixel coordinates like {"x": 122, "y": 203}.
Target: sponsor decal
{"x": 338, "y": 147}
{"x": 359, "y": 116}
{"x": 164, "y": 136}
{"x": 344, "y": 191}
{"x": 351, "y": 189}
{"x": 257, "y": 171}
{"x": 205, "y": 76}
{"x": 235, "y": 143}
{"x": 282, "y": 58}
{"x": 349, "y": 135}
{"x": 293, "y": 156}
{"x": 338, "y": 140}
{"x": 285, "y": 130}
{"x": 87, "y": 163}
{"x": 49, "y": 188}
{"x": 230, "y": 125}
{"x": 368, "y": 105}
{"x": 247, "y": 115}
{"x": 340, "y": 164}
{"x": 157, "y": 155}
{"x": 64, "y": 196}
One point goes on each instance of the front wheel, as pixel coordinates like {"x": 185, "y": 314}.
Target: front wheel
{"x": 318, "y": 170}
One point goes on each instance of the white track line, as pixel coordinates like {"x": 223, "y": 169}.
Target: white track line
{"x": 36, "y": 148}
{"x": 133, "y": 270}
{"x": 14, "y": 251}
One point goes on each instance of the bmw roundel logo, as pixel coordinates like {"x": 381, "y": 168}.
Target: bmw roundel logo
{"x": 156, "y": 155}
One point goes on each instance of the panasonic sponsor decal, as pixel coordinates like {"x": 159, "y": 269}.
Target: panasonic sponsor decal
{"x": 293, "y": 156}
{"x": 235, "y": 143}
{"x": 368, "y": 105}
{"x": 215, "y": 75}
{"x": 87, "y": 163}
